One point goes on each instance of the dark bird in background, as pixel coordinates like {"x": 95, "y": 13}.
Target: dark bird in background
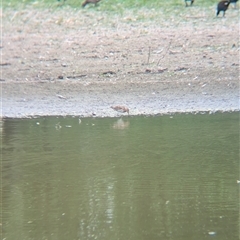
{"x": 189, "y": 1}
{"x": 222, "y": 7}
{"x": 234, "y": 2}
{"x": 90, "y": 1}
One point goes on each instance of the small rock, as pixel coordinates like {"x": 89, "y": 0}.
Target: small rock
{"x": 212, "y": 233}
{"x": 60, "y": 96}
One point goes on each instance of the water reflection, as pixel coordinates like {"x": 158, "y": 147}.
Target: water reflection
{"x": 156, "y": 178}
{"x": 120, "y": 124}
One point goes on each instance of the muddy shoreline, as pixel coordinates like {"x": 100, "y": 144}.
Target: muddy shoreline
{"x": 94, "y": 99}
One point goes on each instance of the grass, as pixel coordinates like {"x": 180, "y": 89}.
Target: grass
{"x": 106, "y": 5}
{"x": 164, "y": 12}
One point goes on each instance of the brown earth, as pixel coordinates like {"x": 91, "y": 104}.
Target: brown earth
{"x": 80, "y": 62}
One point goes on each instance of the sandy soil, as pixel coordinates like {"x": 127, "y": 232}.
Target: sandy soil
{"x": 82, "y": 62}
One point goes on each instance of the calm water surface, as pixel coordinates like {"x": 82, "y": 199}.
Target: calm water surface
{"x": 130, "y": 179}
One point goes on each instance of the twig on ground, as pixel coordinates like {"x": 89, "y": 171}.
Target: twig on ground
{"x": 165, "y": 52}
{"x": 149, "y": 53}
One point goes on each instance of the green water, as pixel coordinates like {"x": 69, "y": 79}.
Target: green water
{"x": 130, "y": 179}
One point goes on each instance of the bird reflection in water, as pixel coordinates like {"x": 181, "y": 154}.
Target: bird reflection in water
{"x": 120, "y": 124}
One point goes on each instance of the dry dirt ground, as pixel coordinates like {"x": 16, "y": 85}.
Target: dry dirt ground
{"x": 81, "y": 62}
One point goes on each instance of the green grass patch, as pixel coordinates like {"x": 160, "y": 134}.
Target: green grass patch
{"x": 105, "y": 5}
{"x": 164, "y": 12}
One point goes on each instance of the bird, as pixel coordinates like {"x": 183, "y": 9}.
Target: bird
{"x": 90, "y": 1}
{"x": 234, "y": 2}
{"x": 222, "y": 7}
{"x": 189, "y": 1}
{"x": 120, "y": 109}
